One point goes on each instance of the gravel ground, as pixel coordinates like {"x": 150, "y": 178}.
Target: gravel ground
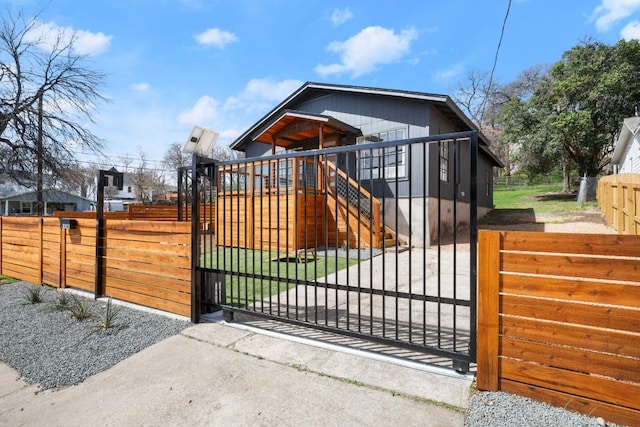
{"x": 49, "y": 347}
{"x": 499, "y": 409}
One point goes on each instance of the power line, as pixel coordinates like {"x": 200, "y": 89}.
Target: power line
{"x": 123, "y": 167}
{"x": 495, "y": 61}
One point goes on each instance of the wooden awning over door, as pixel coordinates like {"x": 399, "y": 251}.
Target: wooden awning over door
{"x": 291, "y": 128}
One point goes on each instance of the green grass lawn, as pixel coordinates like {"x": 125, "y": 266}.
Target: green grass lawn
{"x": 540, "y": 198}
{"x": 5, "y": 280}
{"x": 244, "y": 290}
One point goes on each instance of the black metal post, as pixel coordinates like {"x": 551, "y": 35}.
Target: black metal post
{"x": 99, "y": 235}
{"x": 99, "y": 279}
{"x": 473, "y": 239}
{"x": 196, "y": 279}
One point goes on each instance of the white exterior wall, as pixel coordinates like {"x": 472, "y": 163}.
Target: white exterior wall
{"x": 630, "y": 161}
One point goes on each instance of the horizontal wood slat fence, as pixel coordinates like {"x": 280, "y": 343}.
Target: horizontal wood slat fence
{"x": 559, "y": 320}
{"x": 146, "y": 262}
{"x": 148, "y": 213}
{"x": 619, "y": 201}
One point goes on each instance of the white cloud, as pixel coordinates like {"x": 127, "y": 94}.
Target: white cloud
{"x": 140, "y": 87}
{"x": 216, "y": 37}
{"x": 91, "y": 43}
{"x": 85, "y": 43}
{"x": 364, "y": 52}
{"x": 631, "y": 31}
{"x": 340, "y": 16}
{"x": 204, "y": 111}
{"x": 612, "y": 11}
{"x": 450, "y": 73}
{"x": 259, "y": 94}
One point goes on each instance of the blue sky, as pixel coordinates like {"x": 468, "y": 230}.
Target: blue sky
{"x": 222, "y": 64}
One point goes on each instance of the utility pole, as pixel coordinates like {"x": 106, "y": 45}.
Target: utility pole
{"x": 39, "y": 179}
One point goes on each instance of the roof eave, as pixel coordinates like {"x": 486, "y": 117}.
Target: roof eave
{"x": 238, "y": 144}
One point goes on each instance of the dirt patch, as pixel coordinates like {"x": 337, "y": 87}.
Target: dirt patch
{"x": 582, "y": 221}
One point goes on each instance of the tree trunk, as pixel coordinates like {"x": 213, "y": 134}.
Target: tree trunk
{"x": 566, "y": 179}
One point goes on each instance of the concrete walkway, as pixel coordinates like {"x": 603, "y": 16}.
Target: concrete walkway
{"x": 218, "y": 374}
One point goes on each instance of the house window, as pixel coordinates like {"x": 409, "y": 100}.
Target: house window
{"x": 383, "y": 162}
{"x": 128, "y": 189}
{"x": 444, "y": 161}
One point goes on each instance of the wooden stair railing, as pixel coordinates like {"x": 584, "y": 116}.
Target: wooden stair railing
{"x": 363, "y": 207}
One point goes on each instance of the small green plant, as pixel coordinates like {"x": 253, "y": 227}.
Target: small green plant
{"x": 110, "y": 315}
{"x": 78, "y": 307}
{"x": 64, "y": 300}
{"x": 33, "y": 294}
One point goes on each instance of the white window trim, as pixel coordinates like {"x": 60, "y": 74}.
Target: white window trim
{"x": 389, "y": 170}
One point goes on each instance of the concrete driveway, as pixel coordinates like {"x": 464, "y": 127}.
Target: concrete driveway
{"x": 217, "y": 374}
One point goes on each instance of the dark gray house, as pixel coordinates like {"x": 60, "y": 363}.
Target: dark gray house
{"x": 320, "y": 115}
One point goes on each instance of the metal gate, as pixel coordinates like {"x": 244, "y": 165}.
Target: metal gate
{"x": 374, "y": 241}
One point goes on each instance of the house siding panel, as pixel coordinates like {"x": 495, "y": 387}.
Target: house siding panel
{"x": 630, "y": 162}
{"x": 378, "y": 113}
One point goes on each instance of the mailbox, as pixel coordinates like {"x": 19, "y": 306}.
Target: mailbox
{"x": 68, "y": 223}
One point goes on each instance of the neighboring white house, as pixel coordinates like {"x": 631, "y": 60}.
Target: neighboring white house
{"x": 626, "y": 154}
{"x": 116, "y": 199}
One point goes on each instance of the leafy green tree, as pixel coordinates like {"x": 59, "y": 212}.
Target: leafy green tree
{"x": 579, "y": 106}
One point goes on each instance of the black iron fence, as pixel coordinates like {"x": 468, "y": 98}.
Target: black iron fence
{"x": 375, "y": 241}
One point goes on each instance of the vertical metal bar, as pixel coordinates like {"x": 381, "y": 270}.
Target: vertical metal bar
{"x": 97, "y": 292}
{"x": 473, "y": 250}
{"x": 440, "y": 181}
{"x": 408, "y": 171}
{"x": 426, "y": 233}
{"x": 264, "y": 192}
{"x": 371, "y": 296}
{"x": 325, "y": 174}
{"x": 347, "y": 216}
{"x": 335, "y": 256}
{"x": 278, "y": 233}
{"x": 288, "y": 171}
{"x": 250, "y": 190}
{"x": 304, "y": 163}
{"x": 317, "y": 193}
{"x": 226, "y": 194}
{"x": 196, "y": 280}
{"x": 243, "y": 191}
{"x": 456, "y": 192}
{"x": 397, "y": 255}
{"x": 381, "y": 171}
{"x": 272, "y": 185}
{"x": 219, "y": 289}
{"x": 370, "y": 228}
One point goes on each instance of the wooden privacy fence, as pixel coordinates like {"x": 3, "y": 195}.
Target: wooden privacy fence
{"x": 145, "y": 262}
{"x": 619, "y": 200}
{"x": 145, "y": 212}
{"x": 559, "y": 320}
